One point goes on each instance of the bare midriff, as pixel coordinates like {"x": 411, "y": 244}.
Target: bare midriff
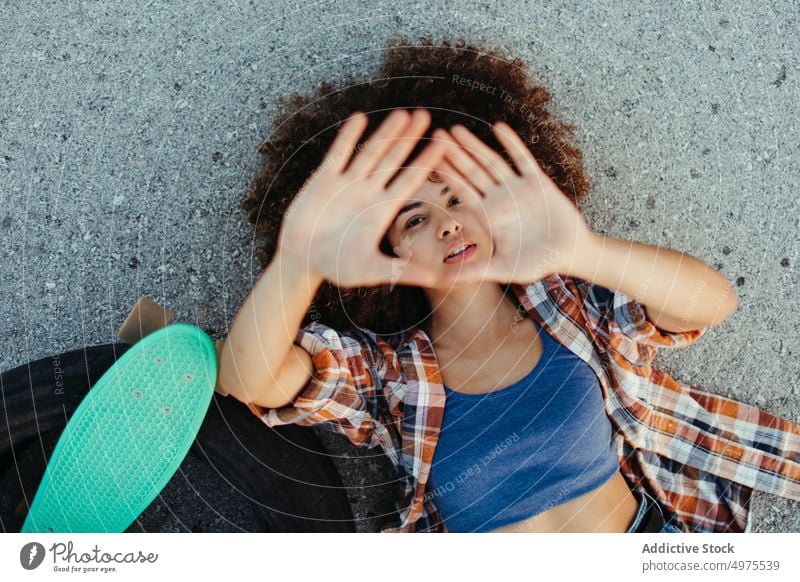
{"x": 610, "y": 508}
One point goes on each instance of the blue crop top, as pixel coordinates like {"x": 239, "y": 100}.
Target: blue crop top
{"x": 507, "y": 455}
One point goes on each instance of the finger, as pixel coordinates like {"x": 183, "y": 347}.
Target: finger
{"x": 416, "y": 173}
{"x": 471, "y": 272}
{"x": 399, "y": 271}
{"x": 473, "y": 200}
{"x": 466, "y": 164}
{"x": 471, "y": 197}
{"x": 405, "y": 272}
{"x": 380, "y": 141}
{"x": 345, "y": 142}
{"x": 477, "y": 271}
{"x": 516, "y": 148}
{"x": 489, "y": 158}
{"x": 402, "y": 146}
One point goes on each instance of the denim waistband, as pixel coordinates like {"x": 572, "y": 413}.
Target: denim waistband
{"x": 649, "y": 517}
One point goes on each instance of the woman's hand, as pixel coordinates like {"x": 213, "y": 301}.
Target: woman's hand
{"x": 536, "y": 229}
{"x": 336, "y": 222}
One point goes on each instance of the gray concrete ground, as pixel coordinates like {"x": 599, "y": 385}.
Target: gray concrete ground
{"x": 128, "y": 135}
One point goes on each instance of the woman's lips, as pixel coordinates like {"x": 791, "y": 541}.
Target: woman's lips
{"x": 462, "y": 256}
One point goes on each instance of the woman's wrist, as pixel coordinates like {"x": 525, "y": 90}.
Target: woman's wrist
{"x": 581, "y": 257}
{"x": 296, "y": 266}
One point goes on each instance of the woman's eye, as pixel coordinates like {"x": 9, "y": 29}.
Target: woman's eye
{"x": 411, "y": 222}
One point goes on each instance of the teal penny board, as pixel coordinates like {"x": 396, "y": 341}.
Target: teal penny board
{"x": 128, "y": 436}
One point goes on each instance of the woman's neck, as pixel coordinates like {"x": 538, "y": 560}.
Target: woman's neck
{"x": 469, "y": 318}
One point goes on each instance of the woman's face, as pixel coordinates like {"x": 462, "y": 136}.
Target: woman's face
{"x": 432, "y": 223}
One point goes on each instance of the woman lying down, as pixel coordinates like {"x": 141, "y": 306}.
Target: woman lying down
{"x": 430, "y": 287}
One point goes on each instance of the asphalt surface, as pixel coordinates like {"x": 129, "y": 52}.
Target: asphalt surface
{"x": 128, "y": 135}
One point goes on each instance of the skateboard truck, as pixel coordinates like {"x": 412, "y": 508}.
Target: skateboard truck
{"x": 147, "y": 316}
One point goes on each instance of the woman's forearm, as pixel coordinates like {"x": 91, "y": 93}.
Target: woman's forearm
{"x": 264, "y": 329}
{"x": 664, "y": 281}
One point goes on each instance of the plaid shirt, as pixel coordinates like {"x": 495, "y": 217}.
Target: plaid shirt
{"x": 701, "y": 454}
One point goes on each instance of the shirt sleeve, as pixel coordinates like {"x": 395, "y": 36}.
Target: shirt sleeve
{"x": 623, "y": 322}
{"x": 341, "y": 391}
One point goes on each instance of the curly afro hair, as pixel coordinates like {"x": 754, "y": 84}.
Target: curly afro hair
{"x": 457, "y": 83}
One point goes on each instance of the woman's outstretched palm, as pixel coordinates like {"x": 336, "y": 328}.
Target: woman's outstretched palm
{"x": 536, "y": 229}
{"x": 335, "y": 223}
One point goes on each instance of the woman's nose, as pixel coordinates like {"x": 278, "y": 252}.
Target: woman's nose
{"x": 449, "y": 227}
